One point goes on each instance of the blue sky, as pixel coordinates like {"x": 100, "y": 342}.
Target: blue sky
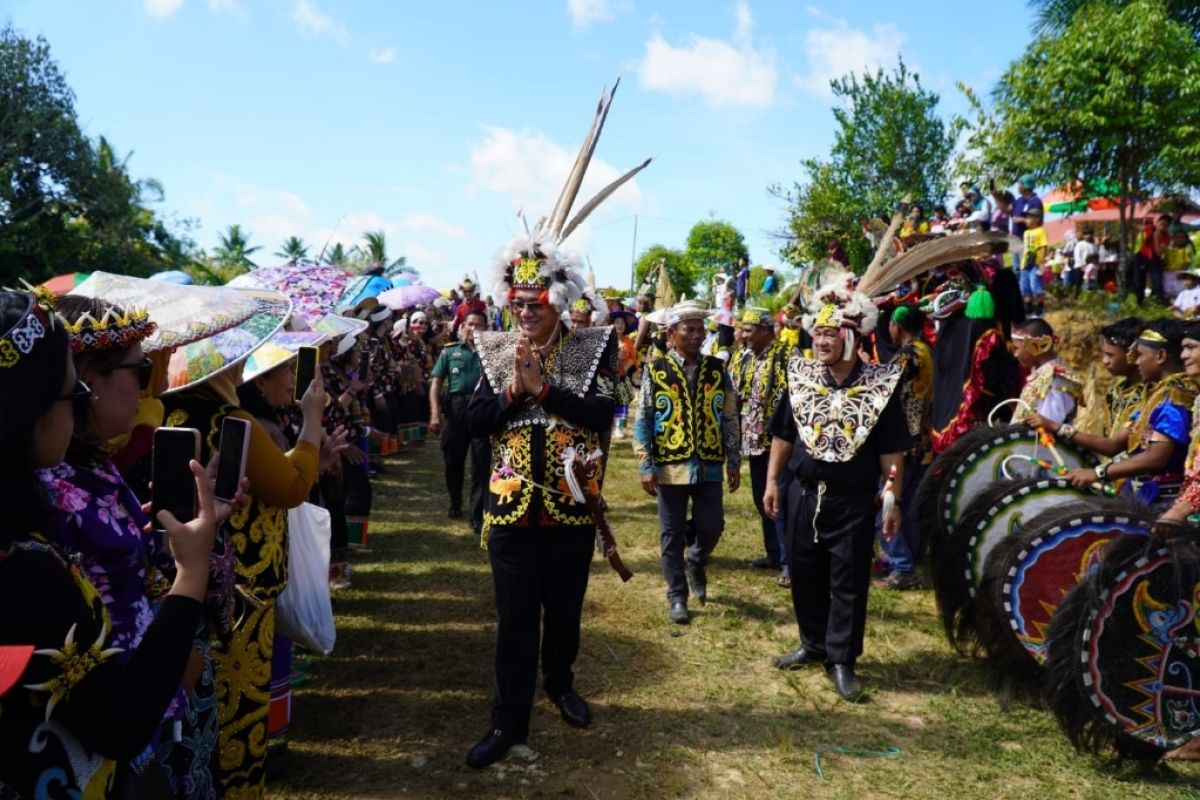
{"x": 436, "y": 122}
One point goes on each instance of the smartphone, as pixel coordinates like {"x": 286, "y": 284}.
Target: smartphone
{"x": 231, "y": 457}
{"x": 306, "y": 369}
{"x": 174, "y": 486}
{"x": 364, "y": 364}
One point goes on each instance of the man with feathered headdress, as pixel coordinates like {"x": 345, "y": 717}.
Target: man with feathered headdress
{"x": 686, "y": 441}
{"x": 838, "y": 428}
{"x": 545, "y": 400}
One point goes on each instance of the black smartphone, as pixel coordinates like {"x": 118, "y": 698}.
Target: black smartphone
{"x": 364, "y": 364}
{"x": 231, "y": 457}
{"x": 174, "y": 486}
{"x": 306, "y": 369}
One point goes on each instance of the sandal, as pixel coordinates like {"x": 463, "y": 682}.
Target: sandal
{"x": 784, "y": 580}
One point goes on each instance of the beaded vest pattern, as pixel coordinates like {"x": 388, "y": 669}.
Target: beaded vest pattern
{"x": 834, "y": 422}
{"x": 687, "y": 423}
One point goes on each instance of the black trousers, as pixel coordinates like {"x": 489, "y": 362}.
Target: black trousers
{"x": 457, "y": 442}
{"x": 758, "y": 486}
{"x": 831, "y": 575}
{"x": 709, "y": 517}
{"x": 540, "y": 577}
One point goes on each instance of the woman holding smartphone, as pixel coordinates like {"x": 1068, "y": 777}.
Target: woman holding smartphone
{"x": 85, "y": 708}
{"x": 204, "y": 384}
{"x": 99, "y": 517}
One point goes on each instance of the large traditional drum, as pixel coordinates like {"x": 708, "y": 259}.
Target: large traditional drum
{"x": 995, "y": 513}
{"x": 1027, "y": 575}
{"x": 1124, "y": 651}
{"x": 973, "y": 464}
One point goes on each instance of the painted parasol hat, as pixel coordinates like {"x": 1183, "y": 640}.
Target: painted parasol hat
{"x": 313, "y": 289}
{"x": 199, "y": 361}
{"x": 183, "y": 314}
{"x": 346, "y": 329}
{"x": 279, "y": 349}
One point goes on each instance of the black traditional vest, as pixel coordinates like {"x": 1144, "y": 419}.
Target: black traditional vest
{"x": 687, "y": 423}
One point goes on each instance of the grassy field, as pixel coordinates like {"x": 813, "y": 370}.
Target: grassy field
{"x": 677, "y": 711}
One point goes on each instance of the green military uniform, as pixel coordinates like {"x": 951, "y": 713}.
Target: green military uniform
{"x": 459, "y": 367}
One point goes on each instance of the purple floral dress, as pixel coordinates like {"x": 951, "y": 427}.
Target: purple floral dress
{"x": 101, "y": 519}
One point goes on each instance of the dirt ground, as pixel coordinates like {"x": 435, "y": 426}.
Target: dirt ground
{"x": 678, "y": 712}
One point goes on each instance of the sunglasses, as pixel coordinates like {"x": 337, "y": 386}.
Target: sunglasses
{"x": 79, "y": 396}
{"x": 145, "y": 368}
{"x": 523, "y": 305}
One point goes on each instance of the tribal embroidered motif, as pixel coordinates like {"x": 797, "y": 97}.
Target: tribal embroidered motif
{"x": 117, "y": 329}
{"x": 24, "y": 335}
{"x": 572, "y": 368}
{"x": 834, "y": 422}
{"x": 687, "y": 423}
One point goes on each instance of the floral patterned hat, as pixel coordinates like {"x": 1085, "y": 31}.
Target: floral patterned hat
{"x": 199, "y": 361}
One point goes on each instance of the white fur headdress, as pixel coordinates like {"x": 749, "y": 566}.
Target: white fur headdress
{"x": 837, "y": 303}
{"x": 535, "y": 260}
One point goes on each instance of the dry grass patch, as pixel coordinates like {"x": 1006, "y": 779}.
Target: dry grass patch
{"x": 693, "y": 711}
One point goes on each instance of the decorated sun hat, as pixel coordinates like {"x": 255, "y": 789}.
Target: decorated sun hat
{"x": 754, "y": 317}
{"x": 182, "y": 314}
{"x": 686, "y": 310}
{"x": 199, "y": 361}
{"x": 314, "y": 289}
{"x": 279, "y": 349}
{"x": 344, "y": 329}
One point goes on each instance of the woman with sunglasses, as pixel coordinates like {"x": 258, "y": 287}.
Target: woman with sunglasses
{"x": 100, "y": 518}
{"x": 87, "y": 706}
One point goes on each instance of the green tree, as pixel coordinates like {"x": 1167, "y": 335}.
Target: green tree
{"x": 1054, "y": 16}
{"x": 890, "y": 142}
{"x": 293, "y": 250}
{"x": 66, "y": 203}
{"x": 714, "y": 246}
{"x": 1115, "y": 98}
{"x": 679, "y": 269}
{"x": 234, "y": 250}
{"x": 337, "y": 256}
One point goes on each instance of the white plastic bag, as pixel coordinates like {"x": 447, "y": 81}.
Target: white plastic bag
{"x": 304, "y": 611}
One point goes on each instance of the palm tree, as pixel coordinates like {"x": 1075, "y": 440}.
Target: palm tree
{"x": 294, "y": 250}
{"x": 337, "y": 256}
{"x": 376, "y": 249}
{"x": 1053, "y": 16}
{"x": 234, "y": 249}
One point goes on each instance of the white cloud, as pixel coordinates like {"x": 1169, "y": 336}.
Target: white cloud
{"x": 841, "y": 49}
{"x": 161, "y": 9}
{"x": 585, "y": 12}
{"x": 383, "y": 56}
{"x": 724, "y": 73}
{"x": 530, "y": 168}
{"x": 312, "y": 21}
{"x": 428, "y": 222}
{"x": 226, "y": 7}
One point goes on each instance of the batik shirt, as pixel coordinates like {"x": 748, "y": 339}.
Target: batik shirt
{"x": 760, "y": 380}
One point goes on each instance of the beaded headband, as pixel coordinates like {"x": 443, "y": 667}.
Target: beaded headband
{"x": 1034, "y": 345}
{"x": 37, "y": 321}
{"x": 116, "y": 330}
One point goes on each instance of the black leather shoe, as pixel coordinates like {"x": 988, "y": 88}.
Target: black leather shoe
{"x": 491, "y": 748}
{"x": 679, "y": 614}
{"x": 574, "y": 709}
{"x": 797, "y": 658}
{"x": 698, "y": 583}
{"x": 848, "y": 686}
